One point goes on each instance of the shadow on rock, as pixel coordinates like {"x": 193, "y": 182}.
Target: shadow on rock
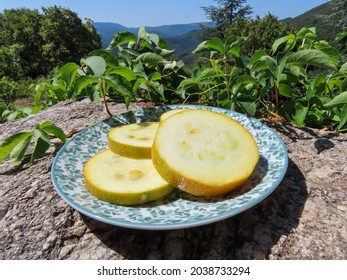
{"x": 249, "y": 235}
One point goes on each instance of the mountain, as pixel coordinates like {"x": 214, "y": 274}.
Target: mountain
{"x": 108, "y": 29}
{"x": 328, "y": 18}
{"x": 184, "y": 45}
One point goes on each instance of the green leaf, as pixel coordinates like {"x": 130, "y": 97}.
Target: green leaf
{"x": 11, "y": 142}
{"x": 119, "y": 84}
{"x": 312, "y": 57}
{"x": 155, "y": 76}
{"x": 84, "y": 81}
{"x": 68, "y": 73}
{"x": 110, "y": 60}
{"x": 97, "y": 64}
{"x": 121, "y": 38}
{"x": 343, "y": 68}
{"x": 338, "y": 100}
{"x": 150, "y": 58}
{"x": 123, "y": 71}
{"x": 9, "y": 115}
{"x": 201, "y": 48}
{"x": 280, "y": 41}
{"x": 249, "y": 107}
{"x": 17, "y": 154}
{"x": 272, "y": 65}
{"x": 257, "y": 56}
{"x": 216, "y": 44}
{"x": 41, "y": 144}
{"x": 327, "y": 49}
{"x": 343, "y": 117}
{"x": 300, "y": 114}
{"x": 142, "y": 34}
{"x": 51, "y": 129}
{"x": 307, "y": 33}
{"x": 285, "y": 90}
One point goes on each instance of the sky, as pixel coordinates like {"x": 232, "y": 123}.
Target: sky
{"x": 135, "y": 13}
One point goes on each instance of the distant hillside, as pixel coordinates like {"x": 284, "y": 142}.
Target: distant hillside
{"x": 184, "y": 45}
{"x": 108, "y": 29}
{"x": 330, "y": 19}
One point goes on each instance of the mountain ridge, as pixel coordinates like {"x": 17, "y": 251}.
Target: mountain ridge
{"x": 108, "y": 29}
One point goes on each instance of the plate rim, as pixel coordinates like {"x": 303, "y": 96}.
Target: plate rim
{"x": 144, "y": 226}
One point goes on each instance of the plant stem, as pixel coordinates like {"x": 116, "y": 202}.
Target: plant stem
{"x": 277, "y": 98}
{"x": 149, "y": 92}
{"x": 104, "y": 98}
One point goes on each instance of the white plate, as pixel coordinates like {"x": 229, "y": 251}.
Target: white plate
{"x": 178, "y": 210}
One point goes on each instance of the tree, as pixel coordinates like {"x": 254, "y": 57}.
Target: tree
{"x": 46, "y": 40}
{"x": 225, "y": 14}
{"x": 65, "y": 38}
{"x": 260, "y": 32}
{"x": 19, "y": 30}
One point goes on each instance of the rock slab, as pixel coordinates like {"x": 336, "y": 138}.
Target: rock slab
{"x": 304, "y": 218}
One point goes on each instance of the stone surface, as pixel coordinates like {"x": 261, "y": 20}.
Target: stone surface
{"x": 304, "y": 218}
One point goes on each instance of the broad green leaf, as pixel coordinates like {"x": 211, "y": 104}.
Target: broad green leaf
{"x": 216, "y": 44}
{"x": 207, "y": 73}
{"x": 187, "y": 83}
{"x": 257, "y": 56}
{"x": 143, "y": 35}
{"x": 127, "y": 100}
{"x": 9, "y": 115}
{"x": 68, "y": 73}
{"x": 343, "y": 117}
{"x": 27, "y": 111}
{"x": 155, "y": 76}
{"x": 17, "y": 154}
{"x": 285, "y": 90}
{"x": 201, "y": 48}
{"x": 84, "y": 81}
{"x": 300, "y": 114}
{"x": 323, "y": 46}
{"x": 249, "y": 107}
{"x": 280, "y": 41}
{"x": 119, "y": 84}
{"x": 312, "y": 57}
{"x": 343, "y": 68}
{"x": 272, "y": 65}
{"x": 97, "y": 64}
{"x": 41, "y": 144}
{"x": 151, "y": 59}
{"x": 123, "y": 71}
{"x": 165, "y": 52}
{"x": 93, "y": 92}
{"x": 37, "y": 97}
{"x": 154, "y": 38}
{"x": 260, "y": 65}
{"x": 54, "y": 130}
{"x": 110, "y": 60}
{"x": 340, "y": 99}
{"x": 121, "y": 38}
{"x": 307, "y": 33}
{"x": 10, "y": 142}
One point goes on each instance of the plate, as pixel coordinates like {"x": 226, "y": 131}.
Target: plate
{"x": 178, "y": 210}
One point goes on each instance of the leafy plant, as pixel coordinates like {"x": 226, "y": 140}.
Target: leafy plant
{"x": 302, "y": 79}
{"x": 139, "y": 69}
{"x": 17, "y": 144}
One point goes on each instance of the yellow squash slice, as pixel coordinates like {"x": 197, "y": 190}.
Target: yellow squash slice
{"x": 169, "y": 113}
{"x": 121, "y": 180}
{"x": 203, "y": 152}
{"x": 133, "y": 140}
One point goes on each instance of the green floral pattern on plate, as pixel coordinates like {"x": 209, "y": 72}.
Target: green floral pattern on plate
{"x": 178, "y": 210}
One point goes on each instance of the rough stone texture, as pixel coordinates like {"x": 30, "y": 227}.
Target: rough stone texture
{"x": 304, "y": 218}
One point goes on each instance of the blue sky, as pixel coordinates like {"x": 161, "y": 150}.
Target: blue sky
{"x": 134, "y": 13}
